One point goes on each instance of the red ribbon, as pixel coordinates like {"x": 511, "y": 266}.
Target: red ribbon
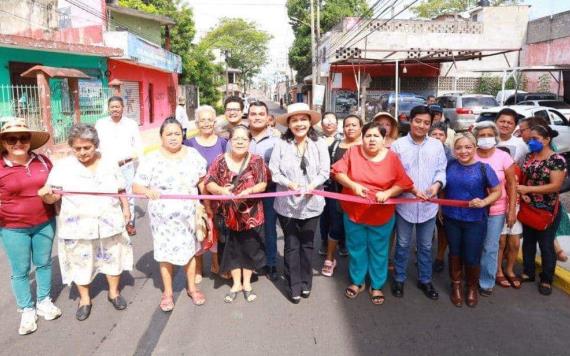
{"x": 337, "y": 196}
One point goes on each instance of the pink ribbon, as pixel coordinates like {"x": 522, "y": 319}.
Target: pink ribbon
{"x": 331, "y": 195}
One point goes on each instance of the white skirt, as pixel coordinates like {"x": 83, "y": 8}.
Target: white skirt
{"x": 81, "y": 260}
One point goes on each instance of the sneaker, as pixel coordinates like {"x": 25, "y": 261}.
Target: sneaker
{"x": 342, "y": 251}
{"x": 323, "y": 249}
{"x": 28, "y": 322}
{"x": 48, "y": 310}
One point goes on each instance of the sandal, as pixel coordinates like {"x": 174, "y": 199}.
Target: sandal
{"x": 249, "y": 295}
{"x": 375, "y": 298}
{"x": 328, "y": 268}
{"x": 545, "y": 289}
{"x": 514, "y": 281}
{"x": 352, "y": 291}
{"x": 561, "y": 256}
{"x": 231, "y": 296}
{"x": 198, "y": 298}
{"x": 502, "y": 281}
{"x": 166, "y": 303}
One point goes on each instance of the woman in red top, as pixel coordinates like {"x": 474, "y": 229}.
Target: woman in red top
{"x": 26, "y": 223}
{"x": 240, "y": 173}
{"x": 369, "y": 171}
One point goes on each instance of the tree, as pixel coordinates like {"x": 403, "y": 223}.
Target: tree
{"x": 198, "y": 67}
{"x": 244, "y": 44}
{"x": 433, "y": 8}
{"x": 332, "y": 12}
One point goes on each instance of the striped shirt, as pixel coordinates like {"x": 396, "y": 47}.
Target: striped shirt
{"x": 285, "y": 167}
{"x": 425, "y": 163}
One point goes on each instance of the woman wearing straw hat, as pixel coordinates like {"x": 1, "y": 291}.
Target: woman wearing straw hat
{"x": 26, "y": 223}
{"x": 300, "y": 160}
{"x": 389, "y": 123}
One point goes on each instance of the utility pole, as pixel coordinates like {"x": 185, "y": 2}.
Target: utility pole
{"x": 313, "y": 72}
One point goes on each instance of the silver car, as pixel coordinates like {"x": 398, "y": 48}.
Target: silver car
{"x": 463, "y": 109}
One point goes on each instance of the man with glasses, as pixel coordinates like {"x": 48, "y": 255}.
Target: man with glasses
{"x": 233, "y": 111}
{"x": 121, "y": 140}
{"x": 262, "y": 143}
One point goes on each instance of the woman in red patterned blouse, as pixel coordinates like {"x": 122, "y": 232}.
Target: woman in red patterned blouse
{"x": 240, "y": 173}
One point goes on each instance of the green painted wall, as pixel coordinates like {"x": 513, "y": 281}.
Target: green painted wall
{"x": 147, "y": 29}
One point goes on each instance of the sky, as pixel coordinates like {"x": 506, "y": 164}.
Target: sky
{"x": 271, "y": 16}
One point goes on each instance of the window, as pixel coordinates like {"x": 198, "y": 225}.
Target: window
{"x": 557, "y": 118}
{"x": 479, "y": 101}
{"x": 542, "y": 114}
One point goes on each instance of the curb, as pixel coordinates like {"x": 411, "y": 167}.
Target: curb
{"x": 561, "y": 275}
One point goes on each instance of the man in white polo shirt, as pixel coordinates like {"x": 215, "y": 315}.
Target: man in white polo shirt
{"x": 120, "y": 140}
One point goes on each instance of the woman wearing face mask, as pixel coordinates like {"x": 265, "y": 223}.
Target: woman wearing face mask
{"x": 370, "y": 171}
{"x": 173, "y": 169}
{"x": 332, "y": 229}
{"x": 299, "y": 161}
{"x": 504, "y": 208}
{"x": 544, "y": 172}
{"x": 466, "y": 228}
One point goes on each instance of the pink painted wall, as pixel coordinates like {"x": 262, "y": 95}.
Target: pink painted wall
{"x": 164, "y": 89}
{"x": 546, "y": 53}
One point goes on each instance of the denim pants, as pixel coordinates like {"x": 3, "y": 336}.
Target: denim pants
{"x": 27, "y": 245}
{"x": 545, "y": 240}
{"x": 331, "y": 223}
{"x": 128, "y": 171}
{"x": 490, "y": 252}
{"x": 299, "y": 240}
{"x": 270, "y": 231}
{"x": 424, "y": 236}
{"x": 465, "y": 239}
{"x": 368, "y": 251}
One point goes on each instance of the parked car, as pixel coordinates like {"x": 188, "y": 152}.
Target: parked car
{"x": 559, "y": 105}
{"x": 516, "y": 99}
{"x": 404, "y": 108}
{"x": 461, "y": 110}
{"x": 557, "y": 121}
{"x": 388, "y": 100}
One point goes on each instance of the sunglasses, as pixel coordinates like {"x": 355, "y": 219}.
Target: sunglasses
{"x": 12, "y": 140}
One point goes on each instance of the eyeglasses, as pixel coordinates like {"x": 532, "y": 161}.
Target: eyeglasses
{"x": 12, "y": 140}
{"x": 233, "y": 110}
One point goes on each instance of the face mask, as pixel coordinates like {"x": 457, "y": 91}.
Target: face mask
{"x": 535, "y": 146}
{"x": 486, "y": 142}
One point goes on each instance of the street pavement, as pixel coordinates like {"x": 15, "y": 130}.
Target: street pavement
{"x": 510, "y": 322}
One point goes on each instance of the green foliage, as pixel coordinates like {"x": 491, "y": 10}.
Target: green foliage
{"x": 544, "y": 83}
{"x": 198, "y": 66}
{"x": 244, "y": 44}
{"x": 432, "y": 8}
{"x": 332, "y": 12}
{"x": 491, "y": 84}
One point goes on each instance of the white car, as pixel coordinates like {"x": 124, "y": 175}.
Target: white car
{"x": 557, "y": 121}
{"x": 559, "y": 105}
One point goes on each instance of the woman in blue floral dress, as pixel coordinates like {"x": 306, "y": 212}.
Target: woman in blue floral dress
{"x": 173, "y": 169}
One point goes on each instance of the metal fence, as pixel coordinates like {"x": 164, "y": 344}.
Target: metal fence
{"x": 21, "y": 101}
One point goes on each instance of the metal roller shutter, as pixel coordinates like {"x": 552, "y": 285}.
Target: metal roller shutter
{"x": 130, "y": 91}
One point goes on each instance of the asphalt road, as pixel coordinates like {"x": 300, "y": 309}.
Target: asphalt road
{"x": 508, "y": 323}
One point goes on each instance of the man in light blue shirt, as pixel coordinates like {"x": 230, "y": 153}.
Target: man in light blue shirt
{"x": 425, "y": 163}
{"x": 262, "y": 143}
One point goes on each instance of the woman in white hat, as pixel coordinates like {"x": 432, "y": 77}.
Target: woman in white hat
{"x": 389, "y": 123}
{"x": 26, "y": 223}
{"x": 300, "y": 161}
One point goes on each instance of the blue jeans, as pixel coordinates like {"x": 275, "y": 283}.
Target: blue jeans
{"x": 465, "y": 239}
{"x": 490, "y": 251}
{"x": 331, "y": 223}
{"x": 270, "y": 232}
{"x": 424, "y": 236}
{"x": 25, "y": 245}
{"x": 368, "y": 251}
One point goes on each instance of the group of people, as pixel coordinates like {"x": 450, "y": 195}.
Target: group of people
{"x": 493, "y": 174}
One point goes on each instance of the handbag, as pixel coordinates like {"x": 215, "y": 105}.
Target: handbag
{"x": 221, "y": 230}
{"x": 538, "y": 219}
{"x": 202, "y": 226}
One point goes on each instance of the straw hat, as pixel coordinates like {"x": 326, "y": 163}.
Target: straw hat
{"x": 38, "y": 138}
{"x": 384, "y": 114}
{"x": 181, "y": 100}
{"x": 296, "y": 109}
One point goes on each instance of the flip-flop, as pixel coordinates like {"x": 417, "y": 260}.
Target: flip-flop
{"x": 198, "y": 298}
{"x": 376, "y": 299}
{"x": 502, "y": 281}
{"x": 249, "y": 295}
{"x": 352, "y": 293}
{"x": 166, "y": 303}
{"x": 328, "y": 268}
{"x": 230, "y": 296}
{"x": 512, "y": 280}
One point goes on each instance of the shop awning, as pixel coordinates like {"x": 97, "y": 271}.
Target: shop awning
{"x": 55, "y": 72}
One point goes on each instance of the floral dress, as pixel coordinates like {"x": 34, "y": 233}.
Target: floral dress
{"x": 172, "y": 221}
{"x": 90, "y": 229}
{"x": 537, "y": 172}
